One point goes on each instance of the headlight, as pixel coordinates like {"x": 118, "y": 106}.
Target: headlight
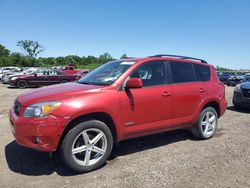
{"x": 237, "y": 88}
{"x": 41, "y": 109}
{"x": 14, "y": 78}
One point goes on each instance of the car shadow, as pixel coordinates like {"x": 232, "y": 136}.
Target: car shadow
{"x": 241, "y": 110}
{"x": 15, "y": 87}
{"x": 34, "y": 163}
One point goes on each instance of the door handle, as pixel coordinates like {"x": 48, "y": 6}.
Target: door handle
{"x": 202, "y": 90}
{"x": 165, "y": 94}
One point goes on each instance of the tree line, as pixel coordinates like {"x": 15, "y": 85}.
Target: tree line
{"x": 32, "y": 49}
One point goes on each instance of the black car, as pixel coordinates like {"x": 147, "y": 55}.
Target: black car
{"x": 247, "y": 78}
{"x": 241, "y": 97}
{"x": 223, "y": 76}
{"x": 235, "y": 79}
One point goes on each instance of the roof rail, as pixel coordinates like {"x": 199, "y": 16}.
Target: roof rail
{"x": 178, "y": 56}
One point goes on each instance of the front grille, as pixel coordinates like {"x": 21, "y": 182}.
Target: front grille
{"x": 17, "y": 107}
{"x": 246, "y": 93}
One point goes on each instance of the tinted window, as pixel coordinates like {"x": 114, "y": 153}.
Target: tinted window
{"x": 182, "y": 72}
{"x": 202, "y": 72}
{"x": 151, "y": 73}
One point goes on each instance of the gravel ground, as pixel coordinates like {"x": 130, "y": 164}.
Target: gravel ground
{"x": 173, "y": 159}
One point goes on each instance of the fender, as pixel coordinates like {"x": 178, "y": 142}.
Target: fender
{"x": 201, "y": 106}
{"x": 86, "y": 110}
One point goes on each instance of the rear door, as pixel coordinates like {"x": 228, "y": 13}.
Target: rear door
{"x": 54, "y": 77}
{"x": 187, "y": 91}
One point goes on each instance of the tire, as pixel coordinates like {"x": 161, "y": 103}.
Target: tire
{"x": 206, "y": 126}
{"x": 22, "y": 83}
{"x": 84, "y": 137}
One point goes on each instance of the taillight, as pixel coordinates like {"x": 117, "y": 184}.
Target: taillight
{"x": 223, "y": 88}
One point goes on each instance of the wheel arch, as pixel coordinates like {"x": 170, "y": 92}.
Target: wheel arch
{"x": 101, "y": 116}
{"x": 214, "y": 104}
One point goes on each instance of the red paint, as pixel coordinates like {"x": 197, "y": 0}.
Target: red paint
{"x": 70, "y": 70}
{"x": 135, "y": 111}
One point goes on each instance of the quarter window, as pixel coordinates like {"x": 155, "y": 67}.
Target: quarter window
{"x": 202, "y": 72}
{"x": 182, "y": 72}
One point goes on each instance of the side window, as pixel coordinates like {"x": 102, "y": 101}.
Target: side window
{"x": 71, "y": 68}
{"x": 151, "y": 73}
{"x": 39, "y": 73}
{"x": 182, "y": 72}
{"x": 58, "y": 73}
{"x": 52, "y": 73}
{"x": 202, "y": 72}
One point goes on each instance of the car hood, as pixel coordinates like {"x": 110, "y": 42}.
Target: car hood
{"x": 17, "y": 74}
{"x": 56, "y": 92}
{"x": 245, "y": 85}
{"x": 20, "y": 76}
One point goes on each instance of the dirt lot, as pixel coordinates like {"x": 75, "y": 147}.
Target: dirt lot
{"x": 172, "y": 159}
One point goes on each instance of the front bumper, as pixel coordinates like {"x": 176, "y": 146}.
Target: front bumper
{"x": 12, "y": 82}
{"x": 6, "y": 80}
{"x": 239, "y": 100}
{"x": 37, "y": 133}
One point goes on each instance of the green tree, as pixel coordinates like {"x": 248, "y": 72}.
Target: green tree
{"x": 219, "y": 68}
{"x": 4, "y": 51}
{"x": 33, "y": 48}
{"x": 124, "y": 56}
{"x": 105, "y": 57}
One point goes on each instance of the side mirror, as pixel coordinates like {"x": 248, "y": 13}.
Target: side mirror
{"x": 35, "y": 74}
{"x": 134, "y": 83}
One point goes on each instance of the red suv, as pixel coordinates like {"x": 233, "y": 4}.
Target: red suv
{"x": 120, "y": 100}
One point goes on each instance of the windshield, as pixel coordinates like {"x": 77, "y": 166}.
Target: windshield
{"x": 107, "y": 73}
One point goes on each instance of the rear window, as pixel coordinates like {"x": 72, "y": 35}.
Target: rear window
{"x": 202, "y": 72}
{"x": 182, "y": 72}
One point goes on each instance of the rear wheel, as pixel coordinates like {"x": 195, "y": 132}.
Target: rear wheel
{"x": 87, "y": 146}
{"x": 22, "y": 83}
{"x": 206, "y": 125}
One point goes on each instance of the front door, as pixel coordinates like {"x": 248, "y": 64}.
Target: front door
{"x": 148, "y": 108}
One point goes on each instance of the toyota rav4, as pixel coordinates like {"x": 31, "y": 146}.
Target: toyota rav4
{"x": 119, "y": 100}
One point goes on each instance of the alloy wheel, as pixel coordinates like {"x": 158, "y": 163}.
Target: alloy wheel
{"x": 89, "y": 147}
{"x": 208, "y": 123}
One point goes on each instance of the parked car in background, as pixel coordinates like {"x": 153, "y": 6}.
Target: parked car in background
{"x": 241, "y": 96}
{"x": 9, "y": 75}
{"x": 42, "y": 78}
{"x": 4, "y": 70}
{"x": 82, "y": 73}
{"x": 247, "y": 78}
{"x": 70, "y": 70}
{"x": 57, "y": 67}
{"x": 119, "y": 100}
{"x": 235, "y": 79}
{"x": 223, "y": 76}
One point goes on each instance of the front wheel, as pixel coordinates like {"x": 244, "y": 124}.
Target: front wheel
{"x": 206, "y": 126}
{"x": 22, "y": 83}
{"x": 87, "y": 146}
